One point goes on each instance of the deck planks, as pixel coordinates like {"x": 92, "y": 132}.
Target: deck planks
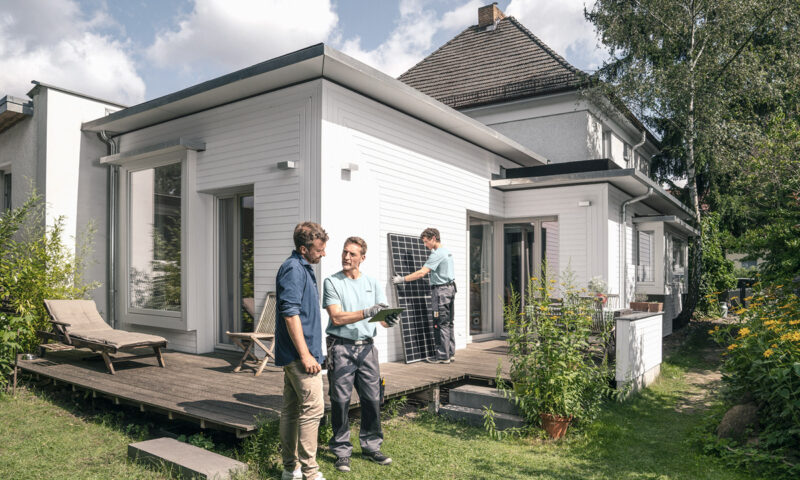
{"x": 204, "y": 387}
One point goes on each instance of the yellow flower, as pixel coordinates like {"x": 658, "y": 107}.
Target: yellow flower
{"x": 711, "y": 332}
{"x": 732, "y": 346}
{"x": 792, "y": 336}
{"x": 774, "y": 345}
{"x": 794, "y": 322}
{"x": 743, "y": 332}
{"x": 768, "y": 352}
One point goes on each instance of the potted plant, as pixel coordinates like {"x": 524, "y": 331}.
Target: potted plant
{"x": 640, "y": 303}
{"x": 598, "y": 288}
{"x": 555, "y": 381}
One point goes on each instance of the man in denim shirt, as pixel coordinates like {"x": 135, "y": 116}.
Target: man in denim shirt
{"x": 298, "y": 349}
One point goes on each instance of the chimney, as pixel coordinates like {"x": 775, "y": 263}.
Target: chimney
{"x": 489, "y": 15}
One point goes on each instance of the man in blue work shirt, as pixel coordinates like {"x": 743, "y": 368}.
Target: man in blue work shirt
{"x": 351, "y": 299}
{"x": 443, "y": 292}
{"x": 298, "y": 349}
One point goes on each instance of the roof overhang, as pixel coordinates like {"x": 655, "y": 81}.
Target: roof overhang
{"x": 13, "y": 110}
{"x": 672, "y": 220}
{"x": 318, "y": 61}
{"x": 630, "y": 181}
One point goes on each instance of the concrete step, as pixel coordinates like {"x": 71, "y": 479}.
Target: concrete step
{"x": 475, "y": 396}
{"x": 186, "y": 460}
{"x": 474, "y": 416}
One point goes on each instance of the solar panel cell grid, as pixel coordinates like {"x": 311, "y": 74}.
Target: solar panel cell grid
{"x": 409, "y": 255}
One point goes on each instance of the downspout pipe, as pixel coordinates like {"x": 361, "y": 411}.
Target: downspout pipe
{"x": 624, "y": 242}
{"x": 637, "y": 147}
{"x": 111, "y": 230}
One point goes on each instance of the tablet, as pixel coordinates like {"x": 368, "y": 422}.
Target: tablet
{"x": 381, "y": 316}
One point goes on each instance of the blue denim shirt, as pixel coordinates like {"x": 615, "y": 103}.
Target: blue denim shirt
{"x": 297, "y": 294}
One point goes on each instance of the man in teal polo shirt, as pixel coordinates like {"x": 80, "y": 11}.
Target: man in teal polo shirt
{"x": 443, "y": 292}
{"x": 351, "y": 299}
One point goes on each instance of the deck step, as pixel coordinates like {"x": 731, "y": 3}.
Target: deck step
{"x": 475, "y": 396}
{"x": 474, "y": 416}
{"x": 186, "y": 460}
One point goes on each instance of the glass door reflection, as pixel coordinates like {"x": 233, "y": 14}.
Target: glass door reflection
{"x": 235, "y": 266}
{"x": 480, "y": 277}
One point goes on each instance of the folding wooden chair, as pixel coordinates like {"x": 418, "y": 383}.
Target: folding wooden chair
{"x": 264, "y": 331}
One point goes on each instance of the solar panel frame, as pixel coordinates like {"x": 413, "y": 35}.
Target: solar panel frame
{"x": 408, "y": 254}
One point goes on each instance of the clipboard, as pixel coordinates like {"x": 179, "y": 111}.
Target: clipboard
{"x": 381, "y": 316}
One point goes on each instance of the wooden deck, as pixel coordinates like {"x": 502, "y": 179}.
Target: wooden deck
{"x": 203, "y": 388}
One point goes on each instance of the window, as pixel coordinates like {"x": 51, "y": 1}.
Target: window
{"x": 678, "y": 259}
{"x": 5, "y": 202}
{"x": 644, "y": 257}
{"x": 154, "y": 238}
{"x": 607, "y": 145}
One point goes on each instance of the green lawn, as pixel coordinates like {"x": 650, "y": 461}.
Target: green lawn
{"x": 49, "y": 435}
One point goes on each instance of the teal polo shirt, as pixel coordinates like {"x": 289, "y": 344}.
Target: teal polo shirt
{"x": 352, "y": 295}
{"x": 440, "y": 262}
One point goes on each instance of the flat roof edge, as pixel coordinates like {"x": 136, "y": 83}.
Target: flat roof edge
{"x": 38, "y": 85}
{"x": 253, "y": 70}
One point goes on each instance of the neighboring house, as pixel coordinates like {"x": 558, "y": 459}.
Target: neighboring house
{"x": 501, "y": 74}
{"x": 42, "y": 147}
{"x": 203, "y": 188}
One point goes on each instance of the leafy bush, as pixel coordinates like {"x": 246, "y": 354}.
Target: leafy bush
{"x": 718, "y": 272}
{"x": 552, "y": 368}
{"x": 262, "y": 450}
{"x": 762, "y": 361}
{"x": 13, "y": 331}
{"x": 35, "y": 265}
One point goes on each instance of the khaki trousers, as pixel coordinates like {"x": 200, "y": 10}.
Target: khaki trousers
{"x": 303, "y": 407}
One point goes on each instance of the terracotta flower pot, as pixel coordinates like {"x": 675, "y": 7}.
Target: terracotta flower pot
{"x": 555, "y": 426}
{"x": 655, "y": 306}
{"x": 640, "y": 306}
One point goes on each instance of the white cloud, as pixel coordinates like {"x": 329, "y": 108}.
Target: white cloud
{"x": 239, "y": 33}
{"x": 412, "y": 38}
{"x": 54, "y": 42}
{"x": 562, "y": 26}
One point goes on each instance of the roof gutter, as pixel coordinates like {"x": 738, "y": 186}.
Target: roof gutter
{"x": 624, "y": 243}
{"x": 111, "y": 229}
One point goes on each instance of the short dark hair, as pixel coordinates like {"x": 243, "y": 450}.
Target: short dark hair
{"x": 358, "y": 241}
{"x": 431, "y": 233}
{"x": 306, "y": 232}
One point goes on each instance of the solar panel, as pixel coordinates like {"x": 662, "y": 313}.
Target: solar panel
{"x": 408, "y": 256}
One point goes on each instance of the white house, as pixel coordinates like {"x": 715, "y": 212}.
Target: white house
{"x": 501, "y": 74}
{"x": 202, "y": 189}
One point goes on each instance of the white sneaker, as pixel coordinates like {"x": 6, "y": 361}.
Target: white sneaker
{"x": 318, "y": 477}
{"x": 296, "y": 475}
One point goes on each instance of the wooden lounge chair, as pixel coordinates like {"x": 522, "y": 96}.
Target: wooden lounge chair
{"x": 78, "y": 323}
{"x": 264, "y": 331}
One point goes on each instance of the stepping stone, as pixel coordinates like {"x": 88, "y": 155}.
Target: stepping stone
{"x": 474, "y": 416}
{"x": 188, "y": 460}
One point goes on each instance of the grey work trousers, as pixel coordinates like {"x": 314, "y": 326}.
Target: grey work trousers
{"x": 350, "y": 365}
{"x": 442, "y": 302}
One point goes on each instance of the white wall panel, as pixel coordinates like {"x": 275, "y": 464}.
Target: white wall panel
{"x": 245, "y": 141}
{"x": 410, "y": 176}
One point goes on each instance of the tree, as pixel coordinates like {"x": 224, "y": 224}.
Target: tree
{"x": 696, "y": 72}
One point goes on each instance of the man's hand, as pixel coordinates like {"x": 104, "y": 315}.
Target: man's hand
{"x": 391, "y": 320}
{"x": 310, "y": 365}
{"x": 373, "y": 310}
{"x": 398, "y": 279}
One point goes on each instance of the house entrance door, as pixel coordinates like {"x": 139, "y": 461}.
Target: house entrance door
{"x": 236, "y": 302}
{"x": 527, "y": 248}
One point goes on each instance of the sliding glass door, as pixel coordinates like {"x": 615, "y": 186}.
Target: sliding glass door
{"x": 236, "y": 312}
{"x": 481, "y": 246}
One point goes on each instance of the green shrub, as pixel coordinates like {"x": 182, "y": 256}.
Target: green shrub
{"x": 262, "y": 450}
{"x": 762, "y": 362}
{"x": 35, "y": 265}
{"x": 552, "y": 368}
{"x": 718, "y": 272}
{"x": 14, "y": 330}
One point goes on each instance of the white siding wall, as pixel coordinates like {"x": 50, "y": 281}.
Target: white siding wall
{"x": 638, "y": 358}
{"x": 18, "y": 157}
{"x": 410, "y": 176}
{"x": 583, "y": 240}
{"x": 245, "y": 141}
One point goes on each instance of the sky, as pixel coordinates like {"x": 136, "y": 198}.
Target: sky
{"x": 130, "y": 51}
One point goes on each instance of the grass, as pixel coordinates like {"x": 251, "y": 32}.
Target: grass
{"x": 42, "y": 435}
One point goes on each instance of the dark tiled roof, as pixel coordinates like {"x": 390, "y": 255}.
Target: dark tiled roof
{"x": 481, "y": 66}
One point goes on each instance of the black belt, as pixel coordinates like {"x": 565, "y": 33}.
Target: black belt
{"x": 347, "y": 341}
{"x": 451, "y": 282}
